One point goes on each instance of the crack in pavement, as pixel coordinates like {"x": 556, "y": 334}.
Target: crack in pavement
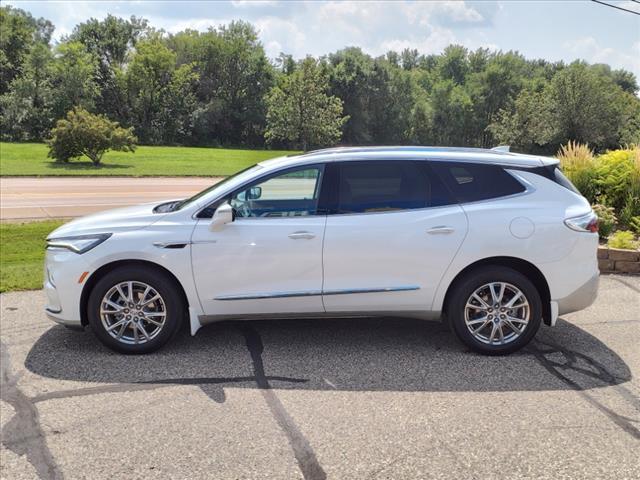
{"x": 153, "y": 385}
{"x": 23, "y": 434}
{"x": 601, "y": 374}
{"x": 302, "y": 450}
{"x": 626, "y": 284}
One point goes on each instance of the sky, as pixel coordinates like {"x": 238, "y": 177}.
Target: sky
{"x": 552, "y": 30}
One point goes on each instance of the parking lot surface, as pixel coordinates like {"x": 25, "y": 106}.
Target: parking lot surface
{"x": 367, "y": 398}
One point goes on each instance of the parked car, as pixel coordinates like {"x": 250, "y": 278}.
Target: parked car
{"x": 493, "y": 242}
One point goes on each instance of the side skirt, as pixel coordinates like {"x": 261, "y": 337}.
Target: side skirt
{"x": 207, "y": 319}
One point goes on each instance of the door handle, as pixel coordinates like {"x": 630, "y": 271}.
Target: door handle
{"x": 302, "y": 235}
{"x": 440, "y": 230}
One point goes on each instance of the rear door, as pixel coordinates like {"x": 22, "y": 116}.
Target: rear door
{"x": 392, "y": 233}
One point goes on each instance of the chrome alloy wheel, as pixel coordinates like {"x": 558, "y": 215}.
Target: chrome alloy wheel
{"x": 133, "y": 312}
{"x": 497, "y": 313}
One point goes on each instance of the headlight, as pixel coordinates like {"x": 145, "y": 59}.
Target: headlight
{"x": 78, "y": 244}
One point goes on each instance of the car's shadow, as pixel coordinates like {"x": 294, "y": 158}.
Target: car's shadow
{"x": 352, "y": 355}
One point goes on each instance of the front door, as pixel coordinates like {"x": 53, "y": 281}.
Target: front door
{"x": 394, "y": 233}
{"x": 269, "y": 259}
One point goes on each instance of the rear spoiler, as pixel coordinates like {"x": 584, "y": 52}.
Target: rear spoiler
{"x": 501, "y": 148}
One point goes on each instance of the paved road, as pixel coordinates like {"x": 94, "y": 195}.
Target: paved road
{"x": 314, "y": 399}
{"x": 51, "y": 197}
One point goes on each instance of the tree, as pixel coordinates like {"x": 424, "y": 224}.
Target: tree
{"x": 19, "y": 32}
{"x": 148, "y": 76}
{"x": 83, "y": 133}
{"x": 74, "y": 78}
{"x": 235, "y": 76}
{"x": 526, "y": 128}
{"x": 351, "y": 79}
{"x": 300, "y": 112}
{"x": 110, "y": 41}
{"x": 585, "y": 106}
{"x": 26, "y": 108}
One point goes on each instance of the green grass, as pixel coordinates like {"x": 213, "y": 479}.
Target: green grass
{"x": 18, "y": 159}
{"x": 22, "y": 254}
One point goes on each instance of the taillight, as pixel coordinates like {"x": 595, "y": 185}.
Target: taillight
{"x": 583, "y": 223}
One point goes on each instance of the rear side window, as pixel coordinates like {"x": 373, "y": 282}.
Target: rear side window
{"x": 382, "y": 186}
{"x": 471, "y": 182}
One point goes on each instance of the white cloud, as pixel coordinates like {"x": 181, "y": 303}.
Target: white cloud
{"x": 589, "y": 49}
{"x": 435, "y": 42}
{"x": 425, "y": 13}
{"x": 630, "y": 5}
{"x": 253, "y": 3}
{"x": 199, "y": 24}
{"x": 274, "y": 32}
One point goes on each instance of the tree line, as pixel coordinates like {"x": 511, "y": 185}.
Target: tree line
{"x": 219, "y": 88}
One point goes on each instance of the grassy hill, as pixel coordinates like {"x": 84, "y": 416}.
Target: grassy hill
{"x": 21, "y": 159}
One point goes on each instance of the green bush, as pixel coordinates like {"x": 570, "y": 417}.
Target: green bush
{"x": 611, "y": 180}
{"x": 83, "y": 133}
{"x": 616, "y": 177}
{"x": 623, "y": 239}
{"x": 606, "y": 220}
{"x": 635, "y": 225}
{"x": 631, "y": 208}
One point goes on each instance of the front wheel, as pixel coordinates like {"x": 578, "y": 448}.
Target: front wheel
{"x": 135, "y": 309}
{"x": 495, "y": 310}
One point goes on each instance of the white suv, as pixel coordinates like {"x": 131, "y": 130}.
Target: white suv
{"x": 493, "y": 242}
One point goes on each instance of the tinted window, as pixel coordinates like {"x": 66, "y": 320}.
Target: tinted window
{"x": 290, "y": 194}
{"x": 470, "y": 182}
{"x": 564, "y": 181}
{"x": 381, "y": 186}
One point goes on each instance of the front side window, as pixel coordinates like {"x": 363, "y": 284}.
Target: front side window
{"x": 290, "y": 194}
{"x": 382, "y": 186}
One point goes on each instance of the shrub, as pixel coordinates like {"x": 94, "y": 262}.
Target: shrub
{"x": 617, "y": 177}
{"x": 635, "y": 225}
{"x": 623, "y": 239}
{"x": 578, "y": 164}
{"x": 83, "y": 133}
{"x": 631, "y": 208}
{"x": 606, "y": 220}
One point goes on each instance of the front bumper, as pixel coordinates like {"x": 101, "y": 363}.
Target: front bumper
{"x": 62, "y": 288}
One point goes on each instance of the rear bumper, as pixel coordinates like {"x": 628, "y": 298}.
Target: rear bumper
{"x": 581, "y": 298}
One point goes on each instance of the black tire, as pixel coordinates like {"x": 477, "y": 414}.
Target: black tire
{"x": 173, "y": 307}
{"x": 474, "y": 280}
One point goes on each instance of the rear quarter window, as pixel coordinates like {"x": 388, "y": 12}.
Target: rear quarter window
{"x": 472, "y": 182}
{"x": 561, "y": 179}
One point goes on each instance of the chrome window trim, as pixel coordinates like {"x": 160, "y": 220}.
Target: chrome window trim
{"x": 508, "y": 167}
{"x": 312, "y": 293}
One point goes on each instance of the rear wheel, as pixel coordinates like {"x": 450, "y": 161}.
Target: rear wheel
{"x": 495, "y": 310}
{"x": 135, "y": 309}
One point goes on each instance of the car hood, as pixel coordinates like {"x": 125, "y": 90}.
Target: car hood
{"x": 109, "y": 221}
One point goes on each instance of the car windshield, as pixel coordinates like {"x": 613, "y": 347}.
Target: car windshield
{"x": 239, "y": 176}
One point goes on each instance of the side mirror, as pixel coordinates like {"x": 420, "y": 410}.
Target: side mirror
{"x": 224, "y": 214}
{"x": 254, "y": 193}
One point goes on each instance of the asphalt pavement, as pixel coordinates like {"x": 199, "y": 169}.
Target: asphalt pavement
{"x": 32, "y": 198}
{"x": 341, "y": 399}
